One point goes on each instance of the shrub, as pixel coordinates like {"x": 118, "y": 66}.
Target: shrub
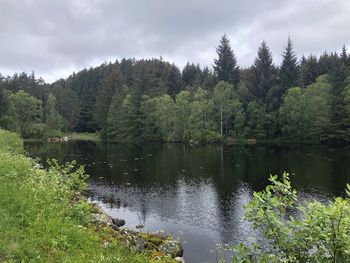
{"x": 295, "y": 230}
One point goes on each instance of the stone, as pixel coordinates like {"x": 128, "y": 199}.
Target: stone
{"x": 172, "y": 248}
{"x": 139, "y": 244}
{"x": 118, "y": 222}
{"x": 140, "y": 226}
{"x": 161, "y": 234}
{"x": 101, "y": 219}
{"x": 180, "y": 259}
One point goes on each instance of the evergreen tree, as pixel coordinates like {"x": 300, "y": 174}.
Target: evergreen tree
{"x": 108, "y": 85}
{"x": 226, "y": 67}
{"x": 191, "y": 74}
{"x": 344, "y": 57}
{"x": 3, "y": 103}
{"x": 289, "y": 72}
{"x": 174, "y": 81}
{"x": 263, "y": 74}
{"x": 309, "y": 70}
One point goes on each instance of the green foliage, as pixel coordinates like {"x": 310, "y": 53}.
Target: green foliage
{"x": 164, "y": 113}
{"x": 29, "y": 111}
{"x": 305, "y": 114}
{"x": 182, "y": 113}
{"x": 54, "y": 121}
{"x": 296, "y": 230}
{"x": 256, "y": 115}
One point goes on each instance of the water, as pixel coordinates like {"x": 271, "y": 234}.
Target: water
{"x": 197, "y": 192}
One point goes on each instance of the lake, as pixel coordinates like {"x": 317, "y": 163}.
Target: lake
{"x": 196, "y": 192}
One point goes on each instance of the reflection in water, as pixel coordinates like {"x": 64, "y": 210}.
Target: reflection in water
{"x": 197, "y": 191}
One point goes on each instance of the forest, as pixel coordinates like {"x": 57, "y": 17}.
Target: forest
{"x": 151, "y": 100}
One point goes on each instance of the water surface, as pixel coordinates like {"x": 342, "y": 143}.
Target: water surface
{"x": 197, "y": 192}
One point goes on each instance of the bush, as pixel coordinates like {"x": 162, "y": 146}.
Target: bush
{"x": 295, "y": 230}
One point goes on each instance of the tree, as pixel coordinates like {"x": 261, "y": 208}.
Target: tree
{"x": 150, "y": 131}
{"x": 3, "y": 103}
{"x": 256, "y": 120}
{"x": 54, "y": 120}
{"x": 344, "y": 56}
{"x": 165, "y": 109}
{"x": 293, "y": 114}
{"x": 229, "y": 109}
{"x": 107, "y": 87}
{"x": 191, "y": 75}
{"x": 123, "y": 122}
{"x": 305, "y": 114}
{"x": 263, "y": 74}
{"x": 9, "y": 119}
{"x": 182, "y": 113}
{"x": 225, "y": 66}
{"x": 289, "y": 72}
{"x": 29, "y": 110}
{"x": 201, "y": 124}
{"x": 67, "y": 104}
{"x": 309, "y": 70}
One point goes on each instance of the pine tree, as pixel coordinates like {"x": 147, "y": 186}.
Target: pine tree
{"x": 263, "y": 74}
{"x": 226, "y": 67}
{"x": 2, "y": 99}
{"x": 108, "y": 85}
{"x": 191, "y": 74}
{"x": 344, "y": 56}
{"x": 174, "y": 82}
{"x": 289, "y": 72}
{"x": 309, "y": 70}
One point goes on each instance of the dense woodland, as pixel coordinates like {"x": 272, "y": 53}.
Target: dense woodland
{"x": 148, "y": 100}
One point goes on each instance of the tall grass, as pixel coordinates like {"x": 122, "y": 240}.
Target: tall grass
{"x": 39, "y": 219}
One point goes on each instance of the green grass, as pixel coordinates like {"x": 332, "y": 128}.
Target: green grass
{"x": 39, "y": 219}
{"x": 84, "y": 136}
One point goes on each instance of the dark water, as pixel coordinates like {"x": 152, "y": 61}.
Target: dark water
{"x": 197, "y": 192}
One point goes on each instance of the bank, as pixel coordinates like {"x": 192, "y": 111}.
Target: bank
{"x": 44, "y": 219}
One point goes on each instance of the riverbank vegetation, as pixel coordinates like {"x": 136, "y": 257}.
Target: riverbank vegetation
{"x": 294, "y": 229}
{"x": 147, "y": 100}
{"x": 42, "y": 220}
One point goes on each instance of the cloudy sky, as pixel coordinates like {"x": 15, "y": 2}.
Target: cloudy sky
{"x": 55, "y": 37}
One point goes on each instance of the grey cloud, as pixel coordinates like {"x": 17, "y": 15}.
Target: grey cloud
{"x": 54, "y": 37}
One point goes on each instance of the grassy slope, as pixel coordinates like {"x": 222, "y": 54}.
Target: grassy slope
{"x": 38, "y": 220}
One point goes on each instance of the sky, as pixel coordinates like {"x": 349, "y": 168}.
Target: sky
{"x": 56, "y": 37}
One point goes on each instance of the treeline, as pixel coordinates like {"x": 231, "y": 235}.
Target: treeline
{"x": 152, "y": 100}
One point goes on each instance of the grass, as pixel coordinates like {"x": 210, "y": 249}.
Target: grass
{"x": 84, "y": 136}
{"x": 40, "y": 218}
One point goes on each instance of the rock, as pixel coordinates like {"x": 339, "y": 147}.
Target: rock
{"x": 101, "y": 219}
{"x": 180, "y": 259}
{"x": 172, "y": 248}
{"x": 118, "y": 222}
{"x": 161, "y": 234}
{"x": 96, "y": 208}
{"x": 140, "y": 226}
{"x": 65, "y": 139}
{"x": 139, "y": 244}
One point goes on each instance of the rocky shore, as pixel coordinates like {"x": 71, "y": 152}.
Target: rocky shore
{"x": 154, "y": 243}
